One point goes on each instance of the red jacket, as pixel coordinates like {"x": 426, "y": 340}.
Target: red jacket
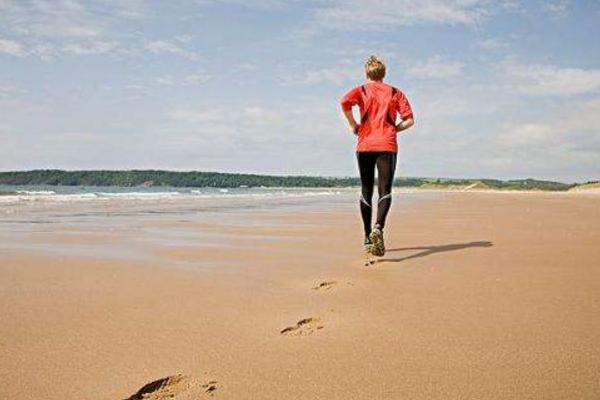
{"x": 379, "y": 105}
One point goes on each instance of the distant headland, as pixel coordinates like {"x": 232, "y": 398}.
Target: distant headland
{"x": 132, "y": 178}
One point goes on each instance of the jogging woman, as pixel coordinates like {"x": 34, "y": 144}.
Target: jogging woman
{"x": 377, "y": 146}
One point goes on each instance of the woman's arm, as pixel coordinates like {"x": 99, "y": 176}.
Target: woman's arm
{"x": 351, "y": 121}
{"x": 405, "y": 124}
{"x": 405, "y": 111}
{"x": 352, "y": 98}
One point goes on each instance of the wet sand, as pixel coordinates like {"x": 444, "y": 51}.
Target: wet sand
{"x": 480, "y": 296}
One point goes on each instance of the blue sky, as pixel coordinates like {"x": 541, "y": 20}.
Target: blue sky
{"x": 502, "y": 89}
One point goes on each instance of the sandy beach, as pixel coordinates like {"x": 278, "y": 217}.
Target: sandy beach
{"x": 480, "y": 296}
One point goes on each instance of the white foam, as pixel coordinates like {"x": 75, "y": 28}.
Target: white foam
{"x": 138, "y": 195}
{"x": 36, "y": 192}
{"x": 24, "y": 196}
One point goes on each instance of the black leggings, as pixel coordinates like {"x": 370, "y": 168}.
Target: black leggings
{"x": 386, "y": 165}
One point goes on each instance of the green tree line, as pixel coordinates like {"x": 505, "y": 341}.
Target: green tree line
{"x": 131, "y": 178}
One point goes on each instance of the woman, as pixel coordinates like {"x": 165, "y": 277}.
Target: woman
{"x": 377, "y": 146}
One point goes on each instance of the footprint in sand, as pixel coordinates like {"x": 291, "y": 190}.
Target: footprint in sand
{"x": 370, "y": 260}
{"x": 176, "y": 387}
{"x": 325, "y": 285}
{"x": 306, "y": 326}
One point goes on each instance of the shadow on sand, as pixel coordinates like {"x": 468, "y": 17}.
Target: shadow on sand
{"x": 428, "y": 250}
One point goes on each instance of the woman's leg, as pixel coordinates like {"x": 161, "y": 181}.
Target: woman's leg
{"x": 386, "y": 165}
{"x": 366, "y": 167}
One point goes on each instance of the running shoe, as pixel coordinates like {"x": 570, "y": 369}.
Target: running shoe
{"x": 378, "y": 247}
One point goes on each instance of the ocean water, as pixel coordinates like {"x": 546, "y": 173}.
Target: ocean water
{"x": 35, "y": 203}
{"x": 13, "y": 194}
{"x": 133, "y": 222}
{"x": 31, "y": 207}
{"x": 135, "y": 200}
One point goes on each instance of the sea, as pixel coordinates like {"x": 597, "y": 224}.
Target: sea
{"x": 33, "y": 217}
{"x": 140, "y": 199}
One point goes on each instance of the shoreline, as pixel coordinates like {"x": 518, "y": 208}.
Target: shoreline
{"x": 193, "y": 192}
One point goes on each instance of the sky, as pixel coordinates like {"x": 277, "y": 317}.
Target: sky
{"x": 502, "y": 89}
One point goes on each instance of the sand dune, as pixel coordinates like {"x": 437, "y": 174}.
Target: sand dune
{"x": 589, "y": 187}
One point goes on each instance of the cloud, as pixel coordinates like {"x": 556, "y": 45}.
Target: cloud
{"x": 76, "y": 137}
{"x": 260, "y": 116}
{"x": 56, "y": 18}
{"x": 11, "y": 47}
{"x": 386, "y": 14}
{"x": 528, "y": 134}
{"x": 553, "y": 144}
{"x": 93, "y": 47}
{"x": 575, "y": 128}
{"x": 67, "y": 18}
{"x": 225, "y": 129}
{"x": 247, "y": 115}
{"x": 165, "y": 80}
{"x": 130, "y": 9}
{"x": 47, "y": 28}
{"x": 538, "y": 79}
{"x": 45, "y": 51}
{"x": 11, "y": 91}
{"x": 196, "y": 116}
{"x": 333, "y": 75}
{"x": 260, "y": 4}
{"x": 48, "y": 51}
{"x": 436, "y": 67}
{"x": 197, "y": 79}
{"x": 492, "y": 44}
{"x": 559, "y": 7}
{"x": 170, "y": 47}
{"x": 570, "y": 139}
{"x": 285, "y": 131}
{"x": 192, "y": 79}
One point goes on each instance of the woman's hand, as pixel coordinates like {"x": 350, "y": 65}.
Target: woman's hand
{"x": 355, "y": 129}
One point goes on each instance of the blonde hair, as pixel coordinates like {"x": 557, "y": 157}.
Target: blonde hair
{"x": 375, "y": 68}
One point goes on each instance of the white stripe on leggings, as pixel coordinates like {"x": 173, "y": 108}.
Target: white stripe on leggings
{"x": 384, "y": 197}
